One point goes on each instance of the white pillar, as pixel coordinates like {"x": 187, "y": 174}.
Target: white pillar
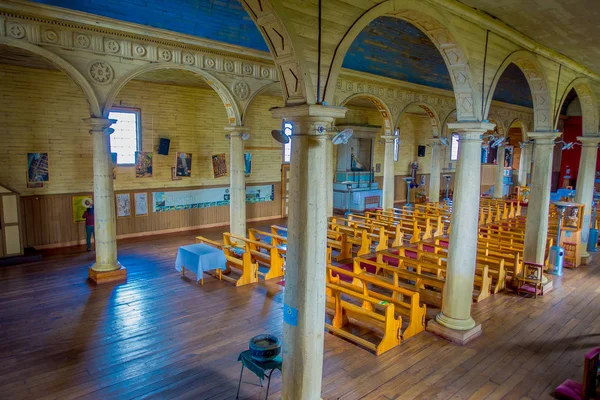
{"x": 329, "y": 175}
{"x": 455, "y": 318}
{"x": 388, "y": 172}
{"x": 536, "y": 228}
{"x": 105, "y": 234}
{"x": 436, "y": 170}
{"x": 499, "y": 182}
{"x": 237, "y": 180}
{"x": 584, "y": 193}
{"x": 525, "y": 164}
{"x": 304, "y": 299}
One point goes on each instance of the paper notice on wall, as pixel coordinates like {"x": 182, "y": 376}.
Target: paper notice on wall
{"x": 203, "y": 198}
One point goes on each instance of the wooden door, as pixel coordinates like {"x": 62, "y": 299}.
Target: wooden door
{"x": 9, "y": 226}
{"x": 285, "y": 189}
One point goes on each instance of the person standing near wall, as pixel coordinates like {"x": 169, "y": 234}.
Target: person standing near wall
{"x": 88, "y": 215}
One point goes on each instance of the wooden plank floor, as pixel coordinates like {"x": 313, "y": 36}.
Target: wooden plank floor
{"x": 162, "y": 336}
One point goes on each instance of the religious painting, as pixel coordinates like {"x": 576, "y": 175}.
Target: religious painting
{"x": 174, "y": 176}
{"x": 247, "y": 164}
{"x": 113, "y": 157}
{"x": 184, "y": 164}
{"x": 37, "y": 167}
{"x": 143, "y": 164}
{"x": 141, "y": 204}
{"x": 123, "y": 205}
{"x": 80, "y": 205}
{"x": 219, "y": 165}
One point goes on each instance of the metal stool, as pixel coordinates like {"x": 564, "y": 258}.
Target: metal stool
{"x": 259, "y": 368}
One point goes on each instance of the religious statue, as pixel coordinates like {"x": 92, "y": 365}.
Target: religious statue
{"x": 414, "y": 166}
{"x": 572, "y": 221}
{"x": 355, "y": 165}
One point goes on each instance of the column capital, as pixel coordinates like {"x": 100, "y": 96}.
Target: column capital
{"x": 389, "y": 138}
{"x": 237, "y": 131}
{"x": 543, "y": 138}
{"x": 589, "y": 141}
{"x": 435, "y": 141}
{"x": 100, "y": 125}
{"x": 475, "y": 126}
{"x": 308, "y": 111}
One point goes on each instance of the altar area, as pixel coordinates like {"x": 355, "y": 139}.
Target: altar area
{"x": 354, "y": 186}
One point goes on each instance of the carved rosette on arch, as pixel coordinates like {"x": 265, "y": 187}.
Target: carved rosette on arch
{"x": 100, "y": 72}
{"x": 241, "y": 90}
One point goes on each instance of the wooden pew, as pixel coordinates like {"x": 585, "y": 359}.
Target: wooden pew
{"x": 375, "y": 233}
{"x": 429, "y": 287}
{"x": 262, "y": 253}
{"x": 482, "y": 278}
{"x": 391, "y": 324}
{"x": 241, "y": 260}
{"x": 407, "y": 302}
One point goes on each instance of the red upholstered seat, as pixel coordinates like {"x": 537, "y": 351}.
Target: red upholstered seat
{"x": 569, "y": 390}
{"x": 576, "y": 391}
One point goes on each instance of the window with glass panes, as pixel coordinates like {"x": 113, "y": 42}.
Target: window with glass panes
{"x": 454, "y": 147}
{"x": 125, "y": 140}
{"x": 288, "y": 129}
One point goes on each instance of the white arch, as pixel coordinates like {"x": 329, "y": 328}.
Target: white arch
{"x": 433, "y": 24}
{"x": 589, "y": 105}
{"x": 233, "y": 113}
{"x": 256, "y": 94}
{"x": 431, "y": 113}
{"x": 381, "y": 106}
{"x": 64, "y": 66}
{"x": 542, "y": 104}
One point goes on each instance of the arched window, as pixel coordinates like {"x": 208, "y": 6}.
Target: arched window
{"x": 288, "y": 130}
{"x": 396, "y": 144}
{"x": 454, "y": 147}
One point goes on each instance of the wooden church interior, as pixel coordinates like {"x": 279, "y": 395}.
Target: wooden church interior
{"x": 400, "y": 194}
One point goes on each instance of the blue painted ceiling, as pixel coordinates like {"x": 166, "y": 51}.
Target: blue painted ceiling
{"x": 222, "y": 20}
{"x": 513, "y": 87}
{"x": 388, "y": 46}
{"x": 396, "y": 49}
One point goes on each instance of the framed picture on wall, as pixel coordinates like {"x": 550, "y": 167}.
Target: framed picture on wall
{"x": 37, "y": 167}
{"x": 123, "y": 205}
{"x": 141, "y": 204}
{"x": 113, "y": 157}
{"x": 247, "y": 164}
{"x": 219, "y": 165}
{"x": 184, "y": 164}
{"x": 80, "y": 205}
{"x": 143, "y": 164}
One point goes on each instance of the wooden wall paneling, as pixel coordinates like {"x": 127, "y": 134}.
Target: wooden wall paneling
{"x": 48, "y": 221}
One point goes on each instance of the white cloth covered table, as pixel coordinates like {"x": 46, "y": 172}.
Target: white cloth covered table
{"x": 199, "y": 258}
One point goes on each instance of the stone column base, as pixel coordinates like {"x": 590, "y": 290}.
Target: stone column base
{"x": 587, "y": 259}
{"x": 458, "y": 337}
{"x": 100, "y": 277}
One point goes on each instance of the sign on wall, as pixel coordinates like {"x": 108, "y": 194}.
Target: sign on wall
{"x": 203, "y": 198}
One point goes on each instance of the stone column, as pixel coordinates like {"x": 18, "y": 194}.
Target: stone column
{"x": 388, "y": 172}
{"x": 329, "y": 175}
{"x": 525, "y": 164}
{"x": 499, "y": 183}
{"x": 107, "y": 268}
{"x": 585, "y": 184}
{"x": 304, "y": 299}
{"x": 536, "y": 228}
{"x": 237, "y": 180}
{"x": 436, "y": 170}
{"x": 454, "y": 321}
